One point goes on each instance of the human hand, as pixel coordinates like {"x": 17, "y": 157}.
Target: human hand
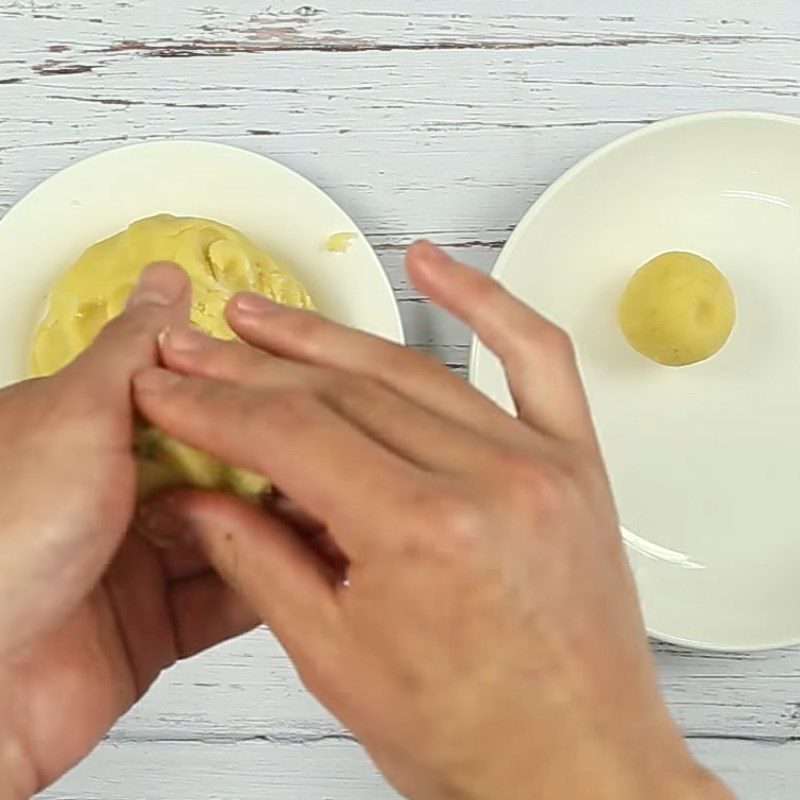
{"x": 88, "y": 617}
{"x": 487, "y": 641}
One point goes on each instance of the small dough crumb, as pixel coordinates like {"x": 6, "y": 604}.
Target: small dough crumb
{"x": 677, "y": 309}
{"x": 340, "y": 242}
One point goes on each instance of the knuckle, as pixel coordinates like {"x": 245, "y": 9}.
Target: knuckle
{"x": 303, "y": 325}
{"x": 348, "y": 385}
{"x": 392, "y": 360}
{"x": 451, "y": 526}
{"x": 141, "y": 322}
{"x": 237, "y": 357}
{"x": 419, "y": 361}
{"x": 190, "y": 399}
{"x": 287, "y": 407}
{"x": 549, "y": 494}
{"x": 487, "y": 292}
{"x": 541, "y": 341}
{"x": 519, "y": 471}
{"x": 351, "y": 392}
{"x": 556, "y": 342}
{"x": 575, "y": 467}
{"x": 462, "y": 518}
{"x": 536, "y": 488}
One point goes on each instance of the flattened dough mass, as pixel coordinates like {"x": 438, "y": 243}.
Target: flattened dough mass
{"x": 220, "y": 261}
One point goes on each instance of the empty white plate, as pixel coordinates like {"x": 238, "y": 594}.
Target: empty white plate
{"x": 705, "y": 460}
{"x": 289, "y": 217}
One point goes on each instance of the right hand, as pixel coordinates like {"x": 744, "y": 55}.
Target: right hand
{"x": 488, "y": 642}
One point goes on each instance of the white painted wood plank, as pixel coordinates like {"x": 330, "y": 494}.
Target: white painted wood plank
{"x": 381, "y": 130}
{"x": 445, "y": 120}
{"x": 332, "y": 770}
{"x": 248, "y": 688}
{"x": 255, "y": 770}
{"x": 754, "y": 770}
{"x": 147, "y": 25}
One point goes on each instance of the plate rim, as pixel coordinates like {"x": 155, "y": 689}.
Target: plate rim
{"x": 399, "y": 333}
{"x": 499, "y": 269}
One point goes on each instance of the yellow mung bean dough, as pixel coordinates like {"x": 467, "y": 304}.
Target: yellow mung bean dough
{"x": 220, "y": 261}
{"x": 340, "y": 242}
{"x": 677, "y": 309}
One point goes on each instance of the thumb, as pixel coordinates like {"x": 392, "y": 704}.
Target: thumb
{"x": 129, "y": 342}
{"x": 285, "y": 582}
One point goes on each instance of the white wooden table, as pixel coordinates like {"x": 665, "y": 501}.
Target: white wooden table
{"x": 445, "y": 119}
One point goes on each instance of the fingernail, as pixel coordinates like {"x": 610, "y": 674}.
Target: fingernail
{"x": 147, "y": 520}
{"x": 156, "y": 522}
{"x": 155, "y": 381}
{"x": 183, "y": 340}
{"x": 160, "y": 284}
{"x": 254, "y": 304}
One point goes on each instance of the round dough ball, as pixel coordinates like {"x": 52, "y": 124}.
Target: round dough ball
{"x": 677, "y": 309}
{"x": 220, "y": 261}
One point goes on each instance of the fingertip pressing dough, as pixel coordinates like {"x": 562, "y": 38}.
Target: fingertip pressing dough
{"x": 220, "y": 261}
{"x": 677, "y": 309}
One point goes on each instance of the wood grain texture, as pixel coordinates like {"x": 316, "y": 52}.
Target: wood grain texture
{"x": 443, "y": 119}
{"x": 332, "y": 770}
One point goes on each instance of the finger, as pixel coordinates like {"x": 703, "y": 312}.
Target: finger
{"x": 160, "y": 619}
{"x": 287, "y": 510}
{"x": 537, "y": 356}
{"x": 286, "y": 585}
{"x": 408, "y": 429}
{"x": 311, "y": 531}
{"x": 136, "y": 588}
{"x": 128, "y": 342}
{"x": 190, "y": 351}
{"x": 207, "y": 611}
{"x": 306, "y": 336}
{"x": 181, "y": 560}
{"x": 279, "y": 434}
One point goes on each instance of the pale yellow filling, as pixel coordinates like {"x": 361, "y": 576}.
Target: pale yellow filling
{"x": 340, "y": 242}
{"x": 677, "y": 309}
{"x": 220, "y": 261}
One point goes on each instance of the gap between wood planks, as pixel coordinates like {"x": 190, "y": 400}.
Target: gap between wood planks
{"x": 306, "y": 739}
{"x": 289, "y": 737}
{"x": 288, "y": 41}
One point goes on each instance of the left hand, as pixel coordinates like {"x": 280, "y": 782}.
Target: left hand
{"x": 88, "y": 616}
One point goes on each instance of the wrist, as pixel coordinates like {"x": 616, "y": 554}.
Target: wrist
{"x": 698, "y": 784}
{"x": 672, "y": 773}
{"x": 16, "y": 779}
{"x": 693, "y": 783}
{"x": 12, "y": 780}
{"x": 663, "y": 771}
{"x": 659, "y": 765}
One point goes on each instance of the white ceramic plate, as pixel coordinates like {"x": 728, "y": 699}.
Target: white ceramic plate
{"x": 705, "y": 460}
{"x": 288, "y": 216}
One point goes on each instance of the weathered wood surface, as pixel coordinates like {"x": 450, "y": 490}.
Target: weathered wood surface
{"x": 442, "y": 119}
